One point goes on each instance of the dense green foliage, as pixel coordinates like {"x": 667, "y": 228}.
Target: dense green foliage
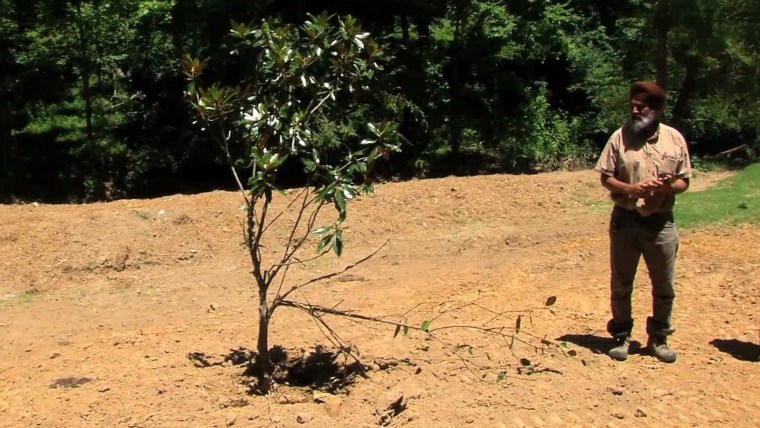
{"x": 92, "y": 99}
{"x": 731, "y": 202}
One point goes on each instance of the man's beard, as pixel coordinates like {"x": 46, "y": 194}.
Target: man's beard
{"x": 639, "y": 124}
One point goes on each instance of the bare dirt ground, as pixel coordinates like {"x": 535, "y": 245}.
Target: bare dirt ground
{"x": 101, "y": 304}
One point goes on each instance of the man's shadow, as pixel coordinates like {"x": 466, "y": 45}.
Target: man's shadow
{"x": 598, "y": 344}
{"x": 743, "y": 351}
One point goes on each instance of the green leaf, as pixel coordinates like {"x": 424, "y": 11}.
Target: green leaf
{"x": 340, "y": 200}
{"x": 406, "y": 330}
{"x": 322, "y": 230}
{"x": 309, "y": 165}
{"x": 518, "y": 323}
{"x": 525, "y": 362}
{"x": 338, "y": 243}
{"x": 426, "y": 325}
{"x": 551, "y": 300}
{"x": 501, "y": 376}
{"x": 397, "y": 331}
{"x": 324, "y": 242}
{"x": 512, "y": 343}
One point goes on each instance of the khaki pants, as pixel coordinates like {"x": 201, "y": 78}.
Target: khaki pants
{"x": 656, "y": 238}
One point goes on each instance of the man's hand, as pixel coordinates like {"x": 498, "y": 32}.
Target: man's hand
{"x": 672, "y": 184}
{"x": 645, "y": 188}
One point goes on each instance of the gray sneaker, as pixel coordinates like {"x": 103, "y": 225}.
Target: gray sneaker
{"x": 658, "y": 346}
{"x": 620, "y": 351}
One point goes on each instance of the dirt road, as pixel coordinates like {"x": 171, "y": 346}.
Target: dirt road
{"x": 101, "y": 304}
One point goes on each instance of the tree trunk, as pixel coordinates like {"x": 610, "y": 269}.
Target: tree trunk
{"x": 662, "y": 28}
{"x": 405, "y": 29}
{"x": 688, "y": 87}
{"x": 84, "y": 63}
{"x": 86, "y": 93}
{"x": 5, "y": 146}
{"x": 263, "y": 359}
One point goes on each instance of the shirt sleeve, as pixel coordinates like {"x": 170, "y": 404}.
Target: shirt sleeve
{"x": 684, "y": 163}
{"x": 607, "y": 163}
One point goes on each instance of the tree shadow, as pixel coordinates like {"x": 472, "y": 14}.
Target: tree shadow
{"x": 315, "y": 369}
{"x": 743, "y": 351}
{"x": 599, "y": 344}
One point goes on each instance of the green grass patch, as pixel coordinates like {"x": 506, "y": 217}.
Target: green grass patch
{"x": 23, "y": 298}
{"x": 732, "y": 202}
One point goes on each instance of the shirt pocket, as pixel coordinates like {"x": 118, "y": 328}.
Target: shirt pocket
{"x": 670, "y": 163}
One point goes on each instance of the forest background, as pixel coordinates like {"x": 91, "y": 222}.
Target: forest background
{"x": 93, "y": 99}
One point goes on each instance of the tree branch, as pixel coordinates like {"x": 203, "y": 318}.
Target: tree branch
{"x": 280, "y": 299}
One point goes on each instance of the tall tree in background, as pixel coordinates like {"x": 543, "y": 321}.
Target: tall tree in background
{"x": 92, "y": 104}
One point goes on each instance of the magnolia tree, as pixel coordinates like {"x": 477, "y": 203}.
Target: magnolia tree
{"x": 299, "y": 83}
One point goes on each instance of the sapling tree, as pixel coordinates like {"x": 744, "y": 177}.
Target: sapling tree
{"x": 299, "y": 84}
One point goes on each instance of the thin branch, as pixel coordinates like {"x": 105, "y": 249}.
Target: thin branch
{"x": 325, "y": 328}
{"x": 292, "y": 248}
{"x": 333, "y": 337}
{"x": 315, "y": 309}
{"x": 331, "y": 275}
{"x": 283, "y": 211}
{"x": 305, "y": 203}
{"x": 329, "y": 94}
{"x": 316, "y": 313}
{"x": 226, "y": 149}
{"x": 300, "y": 261}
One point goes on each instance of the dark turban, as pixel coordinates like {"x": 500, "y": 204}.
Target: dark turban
{"x": 650, "y": 93}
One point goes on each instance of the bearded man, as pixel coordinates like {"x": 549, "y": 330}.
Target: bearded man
{"x": 644, "y": 165}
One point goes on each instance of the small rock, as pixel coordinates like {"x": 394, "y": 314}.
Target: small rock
{"x": 618, "y": 415}
{"x": 393, "y": 404}
{"x": 231, "y": 420}
{"x": 104, "y": 389}
{"x": 320, "y": 397}
{"x": 469, "y": 420}
{"x": 640, "y": 413}
{"x": 305, "y": 418}
{"x": 333, "y": 405}
{"x": 288, "y": 399}
{"x": 55, "y": 354}
{"x": 616, "y": 391}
